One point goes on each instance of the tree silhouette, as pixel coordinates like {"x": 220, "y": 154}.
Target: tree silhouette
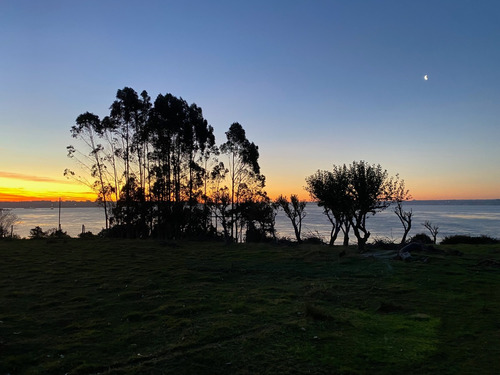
{"x": 331, "y": 190}
{"x": 156, "y": 162}
{"x": 182, "y": 142}
{"x": 7, "y": 220}
{"x": 370, "y": 192}
{"x": 349, "y": 194}
{"x": 243, "y": 171}
{"x": 433, "y": 229}
{"x": 400, "y": 195}
{"x": 295, "y": 211}
{"x": 88, "y": 129}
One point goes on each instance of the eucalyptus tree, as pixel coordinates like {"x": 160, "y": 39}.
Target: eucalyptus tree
{"x": 127, "y": 122}
{"x": 181, "y": 138}
{"x": 88, "y": 129}
{"x": 112, "y": 152}
{"x": 124, "y": 113}
{"x": 199, "y": 143}
{"x": 243, "y": 170}
{"x": 295, "y": 211}
{"x": 140, "y": 139}
{"x": 153, "y": 158}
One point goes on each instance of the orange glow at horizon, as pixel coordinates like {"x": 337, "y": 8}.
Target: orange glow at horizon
{"x": 16, "y": 187}
{"x": 11, "y": 195}
{"x": 421, "y": 190}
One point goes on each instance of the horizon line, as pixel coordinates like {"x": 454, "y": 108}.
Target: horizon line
{"x": 48, "y": 200}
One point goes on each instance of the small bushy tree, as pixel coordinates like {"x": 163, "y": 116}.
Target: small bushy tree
{"x": 331, "y": 190}
{"x": 433, "y": 229}
{"x": 401, "y": 194}
{"x": 349, "y": 194}
{"x": 37, "y": 233}
{"x": 295, "y": 211}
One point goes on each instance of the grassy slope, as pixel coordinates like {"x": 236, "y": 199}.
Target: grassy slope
{"x": 127, "y": 307}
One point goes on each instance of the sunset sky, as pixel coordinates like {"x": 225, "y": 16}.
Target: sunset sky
{"x": 314, "y": 83}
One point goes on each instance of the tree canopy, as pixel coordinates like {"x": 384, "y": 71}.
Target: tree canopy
{"x": 349, "y": 194}
{"x": 154, "y": 164}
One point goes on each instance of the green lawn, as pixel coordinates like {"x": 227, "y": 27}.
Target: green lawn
{"x": 145, "y": 307}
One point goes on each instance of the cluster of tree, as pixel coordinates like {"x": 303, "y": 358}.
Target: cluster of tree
{"x": 38, "y": 233}
{"x": 157, "y": 171}
{"x": 349, "y": 194}
{"x": 7, "y": 221}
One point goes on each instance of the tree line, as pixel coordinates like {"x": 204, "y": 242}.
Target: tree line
{"x": 158, "y": 172}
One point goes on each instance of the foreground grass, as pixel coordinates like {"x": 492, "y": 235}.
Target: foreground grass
{"x": 129, "y": 307}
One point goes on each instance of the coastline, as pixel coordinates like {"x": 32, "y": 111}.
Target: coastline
{"x": 77, "y": 204}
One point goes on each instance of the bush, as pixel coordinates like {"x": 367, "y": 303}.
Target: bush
{"x": 422, "y": 238}
{"x": 255, "y": 234}
{"x": 463, "y": 239}
{"x": 86, "y": 235}
{"x": 57, "y": 233}
{"x": 313, "y": 240}
{"x": 384, "y": 244}
{"x": 37, "y": 233}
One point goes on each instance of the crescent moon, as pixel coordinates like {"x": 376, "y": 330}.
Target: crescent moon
{"x": 426, "y": 77}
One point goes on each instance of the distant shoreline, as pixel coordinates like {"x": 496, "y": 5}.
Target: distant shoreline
{"x": 48, "y": 204}
{"x": 474, "y": 202}
{"x": 76, "y": 204}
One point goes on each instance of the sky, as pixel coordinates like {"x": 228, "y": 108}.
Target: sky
{"x": 313, "y": 83}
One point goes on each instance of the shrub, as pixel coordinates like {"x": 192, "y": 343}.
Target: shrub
{"x": 313, "y": 240}
{"x": 86, "y": 235}
{"x": 464, "y": 239}
{"x": 384, "y": 243}
{"x": 37, "y": 233}
{"x": 57, "y": 233}
{"x": 422, "y": 238}
{"x": 255, "y": 234}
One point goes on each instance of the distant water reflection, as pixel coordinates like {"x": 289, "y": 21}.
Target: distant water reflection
{"x": 72, "y": 220}
{"x": 473, "y": 220}
{"x": 452, "y": 219}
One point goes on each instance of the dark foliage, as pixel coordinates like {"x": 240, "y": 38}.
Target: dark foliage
{"x": 57, "y": 233}
{"x": 37, "y": 233}
{"x": 313, "y": 240}
{"x": 422, "y": 238}
{"x": 154, "y": 167}
{"x": 464, "y": 239}
{"x": 350, "y": 194}
{"x": 384, "y": 244}
{"x": 86, "y": 235}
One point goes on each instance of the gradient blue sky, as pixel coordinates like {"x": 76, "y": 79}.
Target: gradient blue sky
{"x": 314, "y": 83}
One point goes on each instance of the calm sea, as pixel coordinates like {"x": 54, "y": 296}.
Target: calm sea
{"x": 452, "y": 217}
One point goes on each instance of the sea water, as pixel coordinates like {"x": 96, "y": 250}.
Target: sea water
{"x": 472, "y": 218}
{"x": 452, "y": 218}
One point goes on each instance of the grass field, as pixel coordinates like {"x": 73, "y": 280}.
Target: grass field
{"x": 144, "y": 307}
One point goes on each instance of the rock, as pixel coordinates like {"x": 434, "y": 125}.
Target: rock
{"x": 405, "y": 252}
{"x": 404, "y": 255}
{"x": 412, "y": 246}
